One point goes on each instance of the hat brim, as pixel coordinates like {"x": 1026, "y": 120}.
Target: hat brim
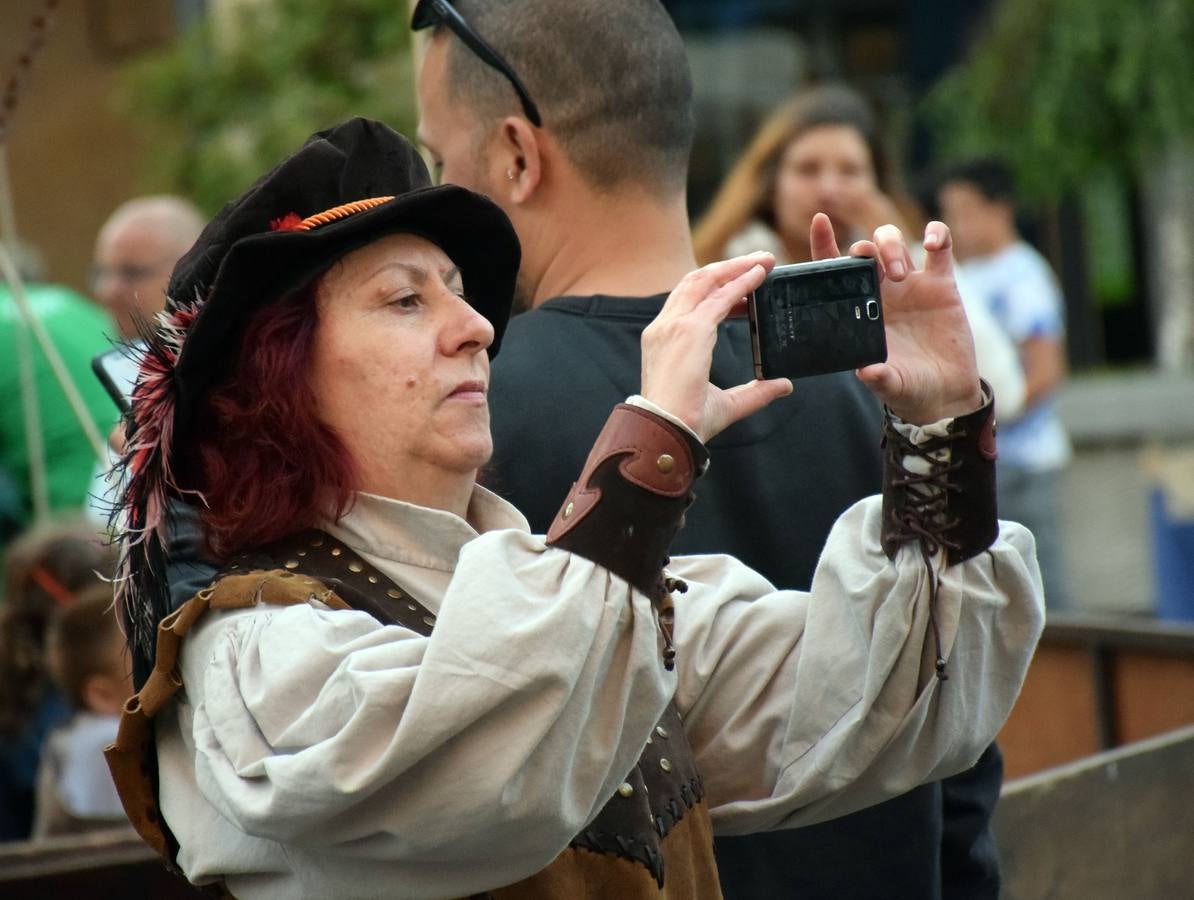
{"x": 262, "y": 268}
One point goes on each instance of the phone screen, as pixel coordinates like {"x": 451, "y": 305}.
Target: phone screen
{"x": 117, "y": 371}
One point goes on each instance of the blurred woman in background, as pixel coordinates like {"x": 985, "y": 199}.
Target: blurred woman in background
{"x": 822, "y": 152}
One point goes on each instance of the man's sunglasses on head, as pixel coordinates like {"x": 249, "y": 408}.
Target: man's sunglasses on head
{"x": 429, "y": 13}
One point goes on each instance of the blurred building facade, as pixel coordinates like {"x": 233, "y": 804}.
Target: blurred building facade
{"x": 72, "y": 154}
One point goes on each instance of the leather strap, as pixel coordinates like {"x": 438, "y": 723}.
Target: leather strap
{"x": 291, "y": 571}
{"x": 629, "y": 501}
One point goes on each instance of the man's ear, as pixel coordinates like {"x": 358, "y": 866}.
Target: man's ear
{"x": 521, "y": 143}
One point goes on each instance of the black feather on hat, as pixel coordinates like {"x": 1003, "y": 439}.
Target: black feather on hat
{"x": 345, "y": 188}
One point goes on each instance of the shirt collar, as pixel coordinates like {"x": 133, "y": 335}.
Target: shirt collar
{"x": 417, "y": 535}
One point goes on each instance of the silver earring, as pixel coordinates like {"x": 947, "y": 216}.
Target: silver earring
{"x": 510, "y": 174}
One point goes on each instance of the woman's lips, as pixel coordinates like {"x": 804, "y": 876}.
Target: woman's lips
{"x": 468, "y": 390}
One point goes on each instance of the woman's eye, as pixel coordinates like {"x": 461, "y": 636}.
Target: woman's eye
{"x": 406, "y": 301}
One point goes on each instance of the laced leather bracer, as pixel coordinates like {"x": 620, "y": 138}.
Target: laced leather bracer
{"x": 940, "y": 494}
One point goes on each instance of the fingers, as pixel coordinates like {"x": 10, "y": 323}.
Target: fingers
{"x": 725, "y": 299}
{"x": 696, "y": 286}
{"x": 821, "y": 238}
{"x": 864, "y": 248}
{"x": 893, "y": 252}
{"x": 939, "y": 257}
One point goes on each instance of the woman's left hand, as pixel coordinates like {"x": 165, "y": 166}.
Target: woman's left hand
{"x": 931, "y": 372}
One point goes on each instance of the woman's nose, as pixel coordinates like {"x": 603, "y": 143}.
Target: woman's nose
{"x": 466, "y": 330}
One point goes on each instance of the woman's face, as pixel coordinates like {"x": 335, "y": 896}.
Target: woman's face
{"x": 399, "y": 367}
{"x": 828, "y": 169}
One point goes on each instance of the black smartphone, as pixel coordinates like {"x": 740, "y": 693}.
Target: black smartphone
{"x": 117, "y": 371}
{"x": 817, "y": 317}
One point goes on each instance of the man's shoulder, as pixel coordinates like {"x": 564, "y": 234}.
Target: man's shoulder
{"x": 548, "y": 342}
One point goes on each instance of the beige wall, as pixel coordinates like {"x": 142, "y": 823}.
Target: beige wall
{"x": 72, "y": 157}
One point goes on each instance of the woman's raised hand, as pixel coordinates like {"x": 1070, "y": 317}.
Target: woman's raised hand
{"x": 678, "y": 347}
{"x": 931, "y": 372}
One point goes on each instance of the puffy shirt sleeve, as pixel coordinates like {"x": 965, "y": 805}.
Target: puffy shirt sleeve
{"x": 498, "y": 737}
{"x": 805, "y": 706}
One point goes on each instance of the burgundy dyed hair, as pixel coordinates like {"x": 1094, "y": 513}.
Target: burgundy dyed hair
{"x": 265, "y": 463}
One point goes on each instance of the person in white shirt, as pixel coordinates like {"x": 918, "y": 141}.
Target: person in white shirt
{"x": 392, "y": 688}
{"x": 1021, "y": 293}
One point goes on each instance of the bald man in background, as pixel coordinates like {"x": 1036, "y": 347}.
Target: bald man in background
{"x": 135, "y": 253}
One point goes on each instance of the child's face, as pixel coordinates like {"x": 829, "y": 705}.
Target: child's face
{"x": 104, "y": 693}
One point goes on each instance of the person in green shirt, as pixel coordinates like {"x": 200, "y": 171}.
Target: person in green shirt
{"x": 79, "y": 331}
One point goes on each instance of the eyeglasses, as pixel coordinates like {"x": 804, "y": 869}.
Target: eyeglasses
{"x": 429, "y": 13}
{"x": 128, "y": 273}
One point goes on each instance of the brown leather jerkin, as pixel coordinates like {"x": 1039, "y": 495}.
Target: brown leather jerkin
{"x": 653, "y": 839}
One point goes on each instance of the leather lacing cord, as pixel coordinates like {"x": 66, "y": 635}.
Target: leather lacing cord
{"x": 924, "y": 515}
{"x": 666, "y": 614}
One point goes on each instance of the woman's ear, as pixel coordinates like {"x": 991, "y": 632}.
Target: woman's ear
{"x": 520, "y": 143}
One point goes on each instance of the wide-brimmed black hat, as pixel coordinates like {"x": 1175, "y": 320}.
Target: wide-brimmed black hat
{"x": 345, "y": 188}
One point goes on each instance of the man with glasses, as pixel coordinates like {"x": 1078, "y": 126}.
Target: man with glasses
{"x": 134, "y": 253}
{"x": 576, "y": 117}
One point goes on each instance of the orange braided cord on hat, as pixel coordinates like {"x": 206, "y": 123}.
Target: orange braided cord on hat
{"x": 340, "y": 212}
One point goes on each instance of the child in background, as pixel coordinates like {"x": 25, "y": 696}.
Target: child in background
{"x": 85, "y": 650}
{"x": 45, "y": 569}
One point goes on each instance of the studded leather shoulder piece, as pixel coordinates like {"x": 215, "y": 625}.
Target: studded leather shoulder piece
{"x": 291, "y": 571}
{"x": 315, "y": 554}
{"x": 629, "y": 501}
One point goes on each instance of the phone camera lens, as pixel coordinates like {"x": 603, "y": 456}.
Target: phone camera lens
{"x": 872, "y": 310}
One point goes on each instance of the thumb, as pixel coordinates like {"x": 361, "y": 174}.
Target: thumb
{"x": 747, "y": 399}
{"x": 882, "y": 379}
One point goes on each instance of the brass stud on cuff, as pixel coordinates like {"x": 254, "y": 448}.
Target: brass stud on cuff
{"x": 567, "y": 510}
{"x": 292, "y": 563}
{"x": 355, "y": 567}
{"x": 665, "y": 463}
{"x": 335, "y": 551}
{"x": 429, "y": 621}
{"x": 394, "y": 593}
{"x": 665, "y": 764}
{"x": 625, "y": 789}
{"x": 661, "y": 731}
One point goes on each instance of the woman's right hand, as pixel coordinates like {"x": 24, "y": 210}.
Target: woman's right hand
{"x": 678, "y": 348}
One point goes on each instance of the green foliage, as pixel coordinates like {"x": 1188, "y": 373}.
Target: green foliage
{"x": 1066, "y": 90}
{"x": 234, "y": 97}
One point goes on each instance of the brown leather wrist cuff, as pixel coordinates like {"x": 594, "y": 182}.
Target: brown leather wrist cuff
{"x": 629, "y": 501}
{"x": 952, "y": 506}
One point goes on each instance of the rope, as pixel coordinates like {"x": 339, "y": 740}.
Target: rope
{"x": 340, "y": 212}
{"x": 26, "y": 322}
{"x": 9, "y": 270}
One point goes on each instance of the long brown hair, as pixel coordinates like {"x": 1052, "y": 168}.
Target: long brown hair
{"x": 748, "y": 193}
{"x": 264, "y": 462}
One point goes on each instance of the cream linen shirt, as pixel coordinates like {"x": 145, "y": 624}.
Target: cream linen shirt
{"x": 316, "y": 753}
